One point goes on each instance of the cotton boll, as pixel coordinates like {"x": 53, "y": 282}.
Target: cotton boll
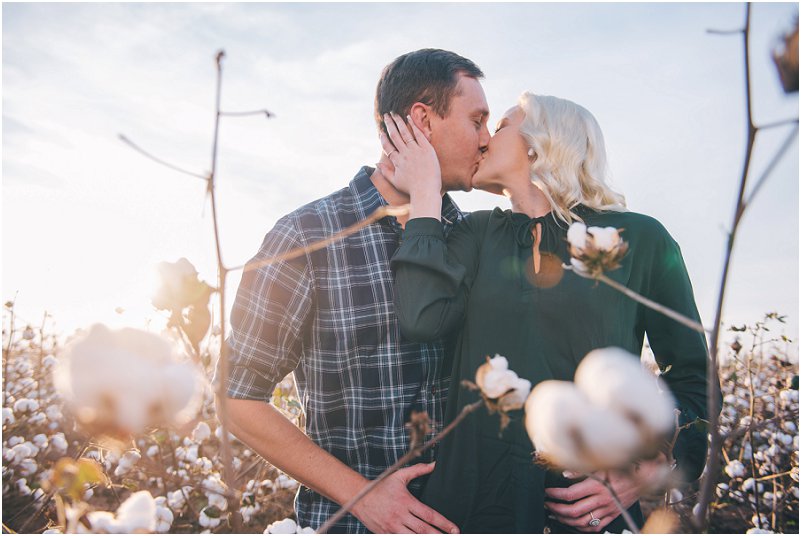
{"x": 8, "y": 416}
{"x": 37, "y": 418}
{"x": 613, "y": 378}
{"x": 204, "y": 464}
{"x": 201, "y": 432}
{"x": 285, "y": 526}
{"x": 553, "y": 413}
{"x": 609, "y": 440}
{"x": 121, "y": 381}
{"x": 735, "y": 469}
{"x": 138, "y": 513}
{"x": 208, "y": 518}
{"x": 285, "y": 482}
{"x": 248, "y": 512}
{"x": 517, "y": 398}
{"x": 306, "y": 530}
{"x": 578, "y": 266}
{"x": 102, "y": 522}
{"x": 212, "y": 483}
{"x": 152, "y": 451}
{"x": 494, "y": 377}
{"x": 15, "y": 440}
{"x": 606, "y": 238}
{"x": 218, "y": 501}
{"x": 53, "y": 412}
{"x": 127, "y": 462}
{"x": 25, "y": 405}
{"x": 759, "y": 531}
{"x": 164, "y": 519}
{"x": 40, "y": 440}
{"x": 577, "y": 235}
{"x": 177, "y": 499}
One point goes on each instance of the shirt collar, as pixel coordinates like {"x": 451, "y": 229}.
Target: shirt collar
{"x": 368, "y": 200}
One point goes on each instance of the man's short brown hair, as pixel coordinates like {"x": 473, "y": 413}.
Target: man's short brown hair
{"x": 429, "y": 75}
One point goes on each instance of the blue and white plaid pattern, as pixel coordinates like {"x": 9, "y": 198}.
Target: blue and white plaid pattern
{"x": 329, "y": 317}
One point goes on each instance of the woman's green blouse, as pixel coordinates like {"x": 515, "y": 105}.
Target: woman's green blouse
{"x": 476, "y": 287}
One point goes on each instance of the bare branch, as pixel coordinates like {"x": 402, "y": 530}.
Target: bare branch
{"x": 406, "y": 458}
{"x": 788, "y": 142}
{"x": 381, "y": 212}
{"x": 783, "y": 122}
{"x": 725, "y": 32}
{"x": 160, "y": 161}
{"x": 266, "y": 113}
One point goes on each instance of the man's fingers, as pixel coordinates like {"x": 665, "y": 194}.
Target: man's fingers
{"x": 408, "y": 474}
{"x": 434, "y": 518}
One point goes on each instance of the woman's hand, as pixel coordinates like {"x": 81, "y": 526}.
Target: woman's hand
{"x": 417, "y": 171}
{"x": 590, "y": 499}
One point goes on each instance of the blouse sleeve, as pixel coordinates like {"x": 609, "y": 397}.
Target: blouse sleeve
{"x": 680, "y": 352}
{"x": 433, "y": 277}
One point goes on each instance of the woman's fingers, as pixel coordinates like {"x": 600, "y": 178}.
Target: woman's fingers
{"x": 394, "y": 134}
{"x": 421, "y": 139}
{"x": 387, "y": 145}
{"x": 404, "y": 131}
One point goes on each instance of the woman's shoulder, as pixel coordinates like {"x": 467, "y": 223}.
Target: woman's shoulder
{"x": 480, "y": 219}
{"x": 632, "y": 223}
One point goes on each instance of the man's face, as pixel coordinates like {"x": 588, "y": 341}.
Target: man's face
{"x": 460, "y": 137}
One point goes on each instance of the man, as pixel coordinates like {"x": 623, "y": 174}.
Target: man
{"x": 329, "y": 317}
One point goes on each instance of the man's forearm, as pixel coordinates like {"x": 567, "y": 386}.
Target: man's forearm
{"x": 264, "y": 429}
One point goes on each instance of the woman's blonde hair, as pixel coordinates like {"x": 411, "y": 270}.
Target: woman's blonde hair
{"x": 569, "y": 156}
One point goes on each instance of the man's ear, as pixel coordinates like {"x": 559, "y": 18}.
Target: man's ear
{"x": 422, "y": 115}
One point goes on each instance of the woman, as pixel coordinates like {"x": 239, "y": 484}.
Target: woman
{"x": 492, "y": 285}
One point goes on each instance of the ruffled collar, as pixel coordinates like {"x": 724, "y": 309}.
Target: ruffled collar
{"x": 553, "y": 229}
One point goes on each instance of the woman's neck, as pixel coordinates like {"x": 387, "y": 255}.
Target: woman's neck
{"x": 528, "y": 199}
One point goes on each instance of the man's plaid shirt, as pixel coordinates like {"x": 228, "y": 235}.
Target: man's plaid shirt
{"x": 329, "y": 317}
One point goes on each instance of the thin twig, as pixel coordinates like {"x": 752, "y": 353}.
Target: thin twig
{"x": 413, "y": 453}
{"x": 623, "y": 511}
{"x": 788, "y": 142}
{"x": 160, "y": 161}
{"x": 774, "y": 124}
{"x": 709, "y": 481}
{"x": 670, "y": 313}
{"x": 381, "y": 212}
{"x": 222, "y": 413}
{"x": 725, "y": 32}
{"x": 267, "y": 113}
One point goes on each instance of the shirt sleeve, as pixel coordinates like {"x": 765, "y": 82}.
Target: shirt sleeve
{"x": 433, "y": 277}
{"x": 269, "y": 317}
{"x": 680, "y": 352}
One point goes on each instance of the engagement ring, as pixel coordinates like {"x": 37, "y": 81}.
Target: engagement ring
{"x": 594, "y": 521}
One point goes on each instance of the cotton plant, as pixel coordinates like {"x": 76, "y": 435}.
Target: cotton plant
{"x": 595, "y": 250}
{"x": 759, "y": 384}
{"x": 186, "y": 298}
{"x": 501, "y": 389}
{"x": 613, "y": 414}
{"x": 287, "y": 526}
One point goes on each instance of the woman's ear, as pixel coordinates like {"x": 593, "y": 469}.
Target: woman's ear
{"x": 421, "y": 115}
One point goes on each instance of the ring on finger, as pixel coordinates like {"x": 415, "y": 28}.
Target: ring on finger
{"x": 594, "y": 521}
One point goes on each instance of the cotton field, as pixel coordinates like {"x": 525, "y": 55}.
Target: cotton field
{"x": 80, "y": 456}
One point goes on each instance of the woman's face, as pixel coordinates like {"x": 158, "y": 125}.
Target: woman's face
{"x": 506, "y": 159}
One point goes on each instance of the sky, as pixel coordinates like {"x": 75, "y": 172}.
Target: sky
{"x": 85, "y": 218}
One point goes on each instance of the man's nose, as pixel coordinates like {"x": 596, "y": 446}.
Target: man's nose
{"x": 483, "y": 139}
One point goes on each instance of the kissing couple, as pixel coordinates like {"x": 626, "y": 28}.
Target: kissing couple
{"x": 392, "y": 318}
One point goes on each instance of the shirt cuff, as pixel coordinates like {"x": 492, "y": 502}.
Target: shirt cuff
{"x": 423, "y": 227}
